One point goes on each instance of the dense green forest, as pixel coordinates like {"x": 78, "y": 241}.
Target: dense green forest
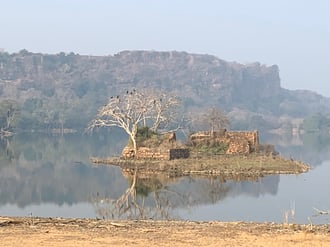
{"x": 64, "y": 91}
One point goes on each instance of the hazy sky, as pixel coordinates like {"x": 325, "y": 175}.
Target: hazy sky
{"x": 294, "y": 34}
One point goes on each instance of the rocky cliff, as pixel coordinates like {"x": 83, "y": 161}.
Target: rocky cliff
{"x": 63, "y": 85}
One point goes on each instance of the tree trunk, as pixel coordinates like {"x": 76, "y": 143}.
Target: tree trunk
{"x": 134, "y": 146}
{"x": 133, "y": 138}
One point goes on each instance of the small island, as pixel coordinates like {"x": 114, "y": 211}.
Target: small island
{"x": 142, "y": 113}
{"x": 230, "y": 154}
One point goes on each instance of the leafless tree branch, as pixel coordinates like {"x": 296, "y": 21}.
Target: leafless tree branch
{"x": 137, "y": 108}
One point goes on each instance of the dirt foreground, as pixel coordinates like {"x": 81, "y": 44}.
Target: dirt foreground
{"x": 15, "y": 231}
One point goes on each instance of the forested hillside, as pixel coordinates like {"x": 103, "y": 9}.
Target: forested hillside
{"x": 65, "y": 90}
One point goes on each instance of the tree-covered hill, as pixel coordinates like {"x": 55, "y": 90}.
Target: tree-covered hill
{"x": 67, "y": 89}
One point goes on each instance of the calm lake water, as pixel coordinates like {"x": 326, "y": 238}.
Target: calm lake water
{"x": 51, "y": 176}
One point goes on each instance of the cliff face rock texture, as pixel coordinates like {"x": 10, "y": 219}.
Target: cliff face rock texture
{"x": 197, "y": 75}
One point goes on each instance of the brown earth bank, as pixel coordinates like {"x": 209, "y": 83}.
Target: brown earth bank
{"x": 32, "y": 231}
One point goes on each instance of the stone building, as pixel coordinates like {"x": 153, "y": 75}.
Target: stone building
{"x": 164, "y": 147}
{"x": 239, "y": 142}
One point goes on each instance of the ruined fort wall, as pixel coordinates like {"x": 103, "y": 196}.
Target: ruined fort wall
{"x": 239, "y": 142}
{"x": 251, "y": 136}
{"x": 156, "y": 153}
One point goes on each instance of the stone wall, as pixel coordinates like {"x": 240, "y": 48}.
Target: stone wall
{"x": 179, "y": 153}
{"x": 243, "y": 142}
{"x": 152, "y": 153}
{"x": 251, "y": 136}
{"x": 238, "y": 145}
{"x": 156, "y": 153}
{"x": 239, "y": 142}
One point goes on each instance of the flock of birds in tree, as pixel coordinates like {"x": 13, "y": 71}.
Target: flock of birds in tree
{"x": 131, "y": 93}
{"x": 127, "y": 92}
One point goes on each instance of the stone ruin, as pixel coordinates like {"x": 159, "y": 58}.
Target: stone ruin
{"x": 239, "y": 142}
{"x": 167, "y": 148}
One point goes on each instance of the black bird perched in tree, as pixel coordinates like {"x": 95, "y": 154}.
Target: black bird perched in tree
{"x": 117, "y": 96}
{"x": 127, "y": 92}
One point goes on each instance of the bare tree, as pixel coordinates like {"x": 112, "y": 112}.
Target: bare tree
{"x": 126, "y": 111}
{"x": 164, "y": 110}
{"x": 134, "y": 109}
{"x": 216, "y": 119}
{"x": 212, "y": 118}
{"x": 9, "y": 114}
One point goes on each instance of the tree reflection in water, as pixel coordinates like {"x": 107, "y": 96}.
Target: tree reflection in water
{"x": 8, "y": 152}
{"x": 154, "y": 197}
{"x": 145, "y": 198}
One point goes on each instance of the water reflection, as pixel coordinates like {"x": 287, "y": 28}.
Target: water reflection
{"x": 312, "y": 148}
{"x": 49, "y": 174}
{"x": 47, "y": 169}
{"x": 7, "y": 151}
{"x": 157, "y": 196}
